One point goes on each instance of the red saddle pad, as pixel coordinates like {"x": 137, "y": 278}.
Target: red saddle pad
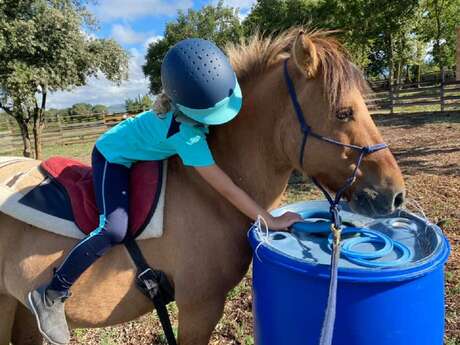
{"x": 77, "y": 180}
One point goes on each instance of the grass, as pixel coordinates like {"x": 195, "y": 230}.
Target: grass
{"x": 431, "y": 165}
{"x": 78, "y": 151}
{"x": 81, "y": 151}
{"x": 108, "y": 337}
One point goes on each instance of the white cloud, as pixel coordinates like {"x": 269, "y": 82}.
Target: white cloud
{"x": 152, "y": 39}
{"x": 103, "y": 91}
{"x": 124, "y": 34}
{"x": 241, "y": 4}
{"x": 107, "y": 10}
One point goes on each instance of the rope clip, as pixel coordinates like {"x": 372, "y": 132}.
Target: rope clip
{"x": 337, "y": 233}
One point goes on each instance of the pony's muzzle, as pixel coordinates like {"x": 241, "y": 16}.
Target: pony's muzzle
{"x": 373, "y": 202}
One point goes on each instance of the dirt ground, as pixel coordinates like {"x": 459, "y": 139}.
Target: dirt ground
{"x": 427, "y": 148}
{"x": 428, "y": 151}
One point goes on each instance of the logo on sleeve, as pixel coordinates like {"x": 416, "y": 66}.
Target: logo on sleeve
{"x": 193, "y": 140}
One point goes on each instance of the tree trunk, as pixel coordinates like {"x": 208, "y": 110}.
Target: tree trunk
{"x": 38, "y": 130}
{"x": 419, "y": 75}
{"x": 25, "y": 135}
{"x": 39, "y": 123}
{"x": 437, "y": 41}
{"x": 398, "y": 72}
{"x": 391, "y": 72}
{"x": 390, "y": 60}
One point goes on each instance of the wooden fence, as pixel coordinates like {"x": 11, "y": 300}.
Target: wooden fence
{"x": 426, "y": 96}
{"x": 418, "y": 97}
{"x": 75, "y": 129}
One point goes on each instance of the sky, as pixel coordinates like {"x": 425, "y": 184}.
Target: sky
{"x": 133, "y": 24}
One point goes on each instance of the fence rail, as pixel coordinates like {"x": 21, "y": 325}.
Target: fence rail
{"x": 414, "y": 97}
{"x": 419, "y": 97}
{"x": 76, "y": 129}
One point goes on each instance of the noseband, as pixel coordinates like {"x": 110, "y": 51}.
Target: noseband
{"x": 306, "y": 130}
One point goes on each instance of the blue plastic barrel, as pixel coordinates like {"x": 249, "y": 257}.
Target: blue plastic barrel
{"x": 401, "y": 305}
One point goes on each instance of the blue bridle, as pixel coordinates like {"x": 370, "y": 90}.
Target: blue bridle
{"x": 307, "y": 131}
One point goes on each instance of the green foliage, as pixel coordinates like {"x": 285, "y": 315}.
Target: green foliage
{"x": 43, "y": 48}
{"x": 99, "y": 109}
{"x": 81, "y": 109}
{"x": 440, "y": 19}
{"x": 272, "y": 16}
{"x": 385, "y": 37}
{"x": 46, "y": 47}
{"x": 139, "y": 104}
{"x": 79, "y": 112}
{"x": 216, "y": 23}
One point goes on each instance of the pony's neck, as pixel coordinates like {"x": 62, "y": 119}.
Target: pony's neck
{"x": 249, "y": 147}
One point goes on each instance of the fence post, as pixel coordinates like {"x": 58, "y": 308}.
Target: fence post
{"x": 59, "y": 124}
{"x": 443, "y": 80}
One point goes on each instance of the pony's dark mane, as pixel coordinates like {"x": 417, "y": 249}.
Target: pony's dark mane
{"x": 258, "y": 54}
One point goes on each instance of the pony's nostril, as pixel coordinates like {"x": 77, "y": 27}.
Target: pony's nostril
{"x": 399, "y": 200}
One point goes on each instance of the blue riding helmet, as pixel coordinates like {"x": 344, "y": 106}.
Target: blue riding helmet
{"x": 198, "y": 78}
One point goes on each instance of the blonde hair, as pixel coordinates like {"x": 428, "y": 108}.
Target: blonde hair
{"x": 162, "y": 104}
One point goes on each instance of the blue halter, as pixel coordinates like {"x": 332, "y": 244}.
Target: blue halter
{"x": 306, "y": 130}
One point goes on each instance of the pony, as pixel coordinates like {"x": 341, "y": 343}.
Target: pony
{"x": 204, "y": 250}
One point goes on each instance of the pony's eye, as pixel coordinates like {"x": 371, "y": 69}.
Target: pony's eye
{"x": 344, "y": 114}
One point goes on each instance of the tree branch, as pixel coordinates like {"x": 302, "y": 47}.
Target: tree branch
{"x": 44, "y": 93}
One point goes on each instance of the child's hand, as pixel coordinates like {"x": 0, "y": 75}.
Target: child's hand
{"x": 284, "y": 221}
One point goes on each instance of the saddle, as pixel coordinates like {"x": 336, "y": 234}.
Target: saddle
{"x": 57, "y": 195}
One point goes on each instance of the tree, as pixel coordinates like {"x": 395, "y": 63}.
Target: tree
{"x": 81, "y": 109}
{"x": 440, "y": 19}
{"x": 139, "y": 104}
{"x": 273, "y": 16}
{"x": 43, "y": 49}
{"x": 216, "y": 23}
{"x": 99, "y": 109}
{"x": 371, "y": 30}
{"x": 267, "y": 16}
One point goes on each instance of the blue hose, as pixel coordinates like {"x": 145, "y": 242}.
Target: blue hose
{"x": 363, "y": 258}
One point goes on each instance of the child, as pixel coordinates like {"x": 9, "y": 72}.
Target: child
{"x": 200, "y": 89}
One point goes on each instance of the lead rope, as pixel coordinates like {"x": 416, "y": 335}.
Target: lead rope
{"x": 327, "y": 329}
{"x": 336, "y": 227}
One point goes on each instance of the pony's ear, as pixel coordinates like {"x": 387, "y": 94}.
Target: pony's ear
{"x": 305, "y": 56}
